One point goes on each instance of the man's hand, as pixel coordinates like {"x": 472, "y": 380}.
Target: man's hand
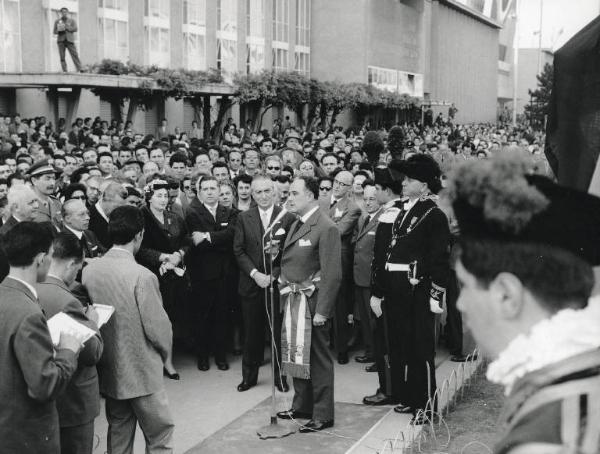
{"x": 261, "y": 279}
{"x": 92, "y": 314}
{"x": 69, "y": 341}
{"x": 376, "y": 306}
{"x": 198, "y": 237}
{"x": 174, "y": 259}
{"x": 350, "y": 319}
{"x": 319, "y": 320}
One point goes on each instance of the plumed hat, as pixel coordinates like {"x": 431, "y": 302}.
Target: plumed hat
{"x": 498, "y": 199}
{"x": 421, "y": 167}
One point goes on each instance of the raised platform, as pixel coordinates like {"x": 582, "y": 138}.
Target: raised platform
{"x": 89, "y": 80}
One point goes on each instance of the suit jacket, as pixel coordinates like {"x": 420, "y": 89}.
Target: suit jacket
{"x": 138, "y": 337}
{"x": 210, "y": 260}
{"x": 159, "y": 239}
{"x": 9, "y": 224}
{"x": 32, "y": 374}
{"x": 344, "y": 214}
{"x": 80, "y": 403}
{"x": 69, "y": 33}
{"x": 248, "y": 246}
{"x": 315, "y": 248}
{"x": 99, "y": 226}
{"x": 89, "y": 242}
{"x": 364, "y": 242}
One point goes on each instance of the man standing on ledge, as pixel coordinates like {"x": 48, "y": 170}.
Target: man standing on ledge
{"x": 309, "y": 282}
{"x": 64, "y": 29}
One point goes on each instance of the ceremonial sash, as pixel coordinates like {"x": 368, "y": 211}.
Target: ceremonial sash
{"x": 296, "y": 328}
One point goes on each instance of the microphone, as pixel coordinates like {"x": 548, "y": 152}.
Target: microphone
{"x": 275, "y": 222}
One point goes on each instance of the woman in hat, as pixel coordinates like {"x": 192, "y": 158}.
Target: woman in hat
{"x": 163, "y": 250}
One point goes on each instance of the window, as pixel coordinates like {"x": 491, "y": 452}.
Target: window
{"x": 303, "y": 23}
{"x": 157, "y": 37}
{"x": 281, "y": 20}
{"x": 194, "y": 51}
{"x": 227, "y": 37}
{"x": 255, "y": 35}
{"x": 10, "y": 49}
{"x": 194, "y": 34}
{"x": 386, "y": 79}
{"x": 194, "y": 12}
{"x": 255, "y": 18}
{"x": 53, "y": 14}
{"x": 502, "y": 52}
{"x": 302, "y": 62}
{"x": 113, "y": 30}
{"x": 280, "y": 59}
{"x": 255, "y": 57}
{"x": 121, "y": 5}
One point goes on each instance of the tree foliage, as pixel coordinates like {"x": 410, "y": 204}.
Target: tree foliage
{"x": 537, "y": 109}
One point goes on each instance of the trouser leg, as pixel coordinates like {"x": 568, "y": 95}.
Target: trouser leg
{"x": 420, "y": 383}
{"x": 155, "y": 420}
{"x": 74, "y": 54}
{"x": 77, "y": 439}
{"x": 203, "y": 299}
{"x": 321, "y": 372}
{"x": 363, "y": 296}
{"x": 220, "y": 313}
{"x": 454, "y": 328}
{"x": 253, "y": 312}
{"x": 61, "y": 53}
{"x": 379, "y": 352}
{"x": 121, "y": 426}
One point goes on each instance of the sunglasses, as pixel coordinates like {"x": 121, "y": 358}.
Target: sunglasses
{"x": 187, "y": 187}
{"x": 324, "y": 188}
{"x": 273, "y": 168}
{"x": 344, "y": 185}
{"x": 80, "y": 197}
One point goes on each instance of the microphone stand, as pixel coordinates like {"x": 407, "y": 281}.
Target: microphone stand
{"x": 273, "y": 429}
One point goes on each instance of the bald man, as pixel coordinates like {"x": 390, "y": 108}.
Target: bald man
{"x": 22, "y": 203}
{"x": 113, "y": 195}
{"x": 344, "y": 213}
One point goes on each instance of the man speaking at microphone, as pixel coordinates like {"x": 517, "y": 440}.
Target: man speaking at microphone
{"x": 254, "y": 229}
{"x": 309, "y": 282}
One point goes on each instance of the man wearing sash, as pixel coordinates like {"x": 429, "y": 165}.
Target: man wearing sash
{"x": 309, "y": 283}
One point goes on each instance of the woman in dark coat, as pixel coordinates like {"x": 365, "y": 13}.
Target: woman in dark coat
{"x": 163, "y": 248}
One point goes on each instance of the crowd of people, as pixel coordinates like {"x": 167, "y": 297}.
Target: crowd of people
{"x": 190, "y": 239}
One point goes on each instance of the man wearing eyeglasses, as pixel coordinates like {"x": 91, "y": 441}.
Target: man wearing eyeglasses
{"x": 76, "y": 220}
{"x": 273, "y": 166}
{"x": 344, "y": 212}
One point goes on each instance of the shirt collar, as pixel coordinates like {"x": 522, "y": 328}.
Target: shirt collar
{"x": 268, "y": 211}
{"x": 26, "y": 284}
{"x": 101, "y": 211}
{"x": 308, "y": 214}
{"x": 55, "y": 277}
{"x": 117, "y": 248}
{"x": 77, "y": 233}
{"x": 212, "y": 209}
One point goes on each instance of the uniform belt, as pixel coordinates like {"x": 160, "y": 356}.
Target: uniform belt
{"x": 402, "y": 267}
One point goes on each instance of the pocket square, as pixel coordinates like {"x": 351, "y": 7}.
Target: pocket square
{"x": 303, "y": 243}
{"x": 371, "y": 233}
{"x": 338, "y": 213}
{"x": 224, "y": 224}
{"x": 280, "y": 232}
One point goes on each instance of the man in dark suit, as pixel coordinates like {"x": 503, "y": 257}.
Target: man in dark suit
{"x": 64, "y": 29}
{"x": 32, "y": 371}
{"x": 209, "y": 260}
{"x": 344, "y": 213}
{"x": 364, "y": 240}
{"x": 311, "y": 272}
{"x": 256, "y": 274}
{"x": 114, "y": 195}
{"x": 76, "y": 220}
{"x": 79, "y": 404}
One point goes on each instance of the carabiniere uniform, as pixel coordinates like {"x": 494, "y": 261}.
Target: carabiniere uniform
{"x": 410, "y": 268}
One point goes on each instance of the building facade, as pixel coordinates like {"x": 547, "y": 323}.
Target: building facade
{"x": 440, "y": 50}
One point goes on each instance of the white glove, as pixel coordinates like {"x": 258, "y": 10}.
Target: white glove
{"x": 434, "y": 306}
{"x": 376, "y": 306}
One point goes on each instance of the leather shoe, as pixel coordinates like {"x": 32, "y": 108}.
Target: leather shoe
{"x": 293, "y": 414}
{"x": 245, "y": 386}
{"x": 203, "y": 364}
{"x": 379, "y": 398}
{"x": 343, "y": 358}
{"x": 403, "y": 409}
{"x": 314, "y": 425}
{"x": 462, "y": 358}
{"x": 223, "y": 365}
{"x": 282, "y": 385}
{"x": 371, "y": 368}
{"x": 364, "y": 359}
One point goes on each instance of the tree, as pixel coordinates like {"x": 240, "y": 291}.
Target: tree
{"x": 537, "y": 109}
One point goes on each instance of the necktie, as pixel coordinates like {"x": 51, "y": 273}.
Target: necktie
{"x": 296, "y": 227}
{"x": 264, "y": 218}
{"x": 333, "y": 203}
